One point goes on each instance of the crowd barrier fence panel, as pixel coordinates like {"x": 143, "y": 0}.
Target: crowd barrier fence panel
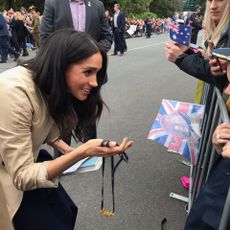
{"x": 215, "y": 113}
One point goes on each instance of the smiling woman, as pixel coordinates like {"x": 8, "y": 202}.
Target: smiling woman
{"x": 81, "y": 78}
{"x": 43, "y": 100}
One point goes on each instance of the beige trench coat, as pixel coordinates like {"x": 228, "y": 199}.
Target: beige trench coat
{"x": 24, "y": 126}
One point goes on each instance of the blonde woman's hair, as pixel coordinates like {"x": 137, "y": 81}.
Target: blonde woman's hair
{"x": 212, "y": 29}
{"x": 18, "y": 15}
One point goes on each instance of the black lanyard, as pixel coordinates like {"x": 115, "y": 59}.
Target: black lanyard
{"x": 123, "y": 157}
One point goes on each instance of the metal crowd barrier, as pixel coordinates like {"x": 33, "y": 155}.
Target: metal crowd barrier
{"x": 215, "y": 113}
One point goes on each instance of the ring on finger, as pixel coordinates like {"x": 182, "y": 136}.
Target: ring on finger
{"x": 218, "y": 136}
{"x": 105, "y": 143}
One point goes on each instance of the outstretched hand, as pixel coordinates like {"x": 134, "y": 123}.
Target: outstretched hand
{"x": 94, "y": 147}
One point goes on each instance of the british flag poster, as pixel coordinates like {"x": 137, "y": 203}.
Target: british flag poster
{"x": 177, "y": 127}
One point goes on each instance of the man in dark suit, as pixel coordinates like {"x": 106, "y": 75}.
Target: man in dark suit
{"x": 81, "y": 15}
{"x": 118, "y": 27}
{"x": 65, "y": 13}
{"x": 5, "y": 47}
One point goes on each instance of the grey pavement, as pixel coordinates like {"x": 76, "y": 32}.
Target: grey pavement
{"x": 138, "y": 81}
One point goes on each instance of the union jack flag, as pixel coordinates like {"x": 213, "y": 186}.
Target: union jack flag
{"x": 177, "y": 127}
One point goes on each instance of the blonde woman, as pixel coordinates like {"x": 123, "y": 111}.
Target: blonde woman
{"x": 216, "y": 21}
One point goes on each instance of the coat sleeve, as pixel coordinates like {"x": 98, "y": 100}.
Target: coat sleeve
{"x": 47, "y": 22}
{"x": 105, "y": 37}
{"x": 16, "y": 147}
{"x": 198, "y": 67}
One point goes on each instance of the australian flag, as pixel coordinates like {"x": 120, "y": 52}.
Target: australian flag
{"x": 180, "y": 33}
{"x": 177, "y": 127}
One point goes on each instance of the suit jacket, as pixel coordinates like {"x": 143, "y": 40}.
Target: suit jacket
{"x": 57, "y": 15}
{"x": 3, "y": 28}
{"x": 24, "y": 126}
{"x": 120, "y": 22}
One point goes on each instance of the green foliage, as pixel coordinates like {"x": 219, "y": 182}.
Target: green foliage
{"x": 144, "y": 15}
{"x": 16, "y": 4}
{"x": 135, "y": 6}
{"x": 138, "y": 8}
{"x": 165, "y": 8}
{"x": 130, "y": 7}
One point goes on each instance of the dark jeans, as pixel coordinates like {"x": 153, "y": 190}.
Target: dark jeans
{"x": 194, "y": 36}
{"x": 118, "y": 41}
{"x": 22, "y": 43}
{"x": 5, "y": 48}
{"x": 46, "y": 208}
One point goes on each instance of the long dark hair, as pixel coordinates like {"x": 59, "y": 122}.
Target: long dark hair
{"x": 61, "y": 49}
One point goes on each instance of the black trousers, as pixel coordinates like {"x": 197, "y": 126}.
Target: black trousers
{"x": 194, "y": 36}
{"x": 46, "y": 208}
{"x": 118, "y": 41}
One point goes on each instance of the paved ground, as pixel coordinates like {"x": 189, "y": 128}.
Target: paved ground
{"x": 137, "y": 83}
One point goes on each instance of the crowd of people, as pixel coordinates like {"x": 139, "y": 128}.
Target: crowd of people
{"x": 56, "y": 96}
{"x": 19, "y": 32}
{"x": 202, "y": 64}
{"x": 22, "y": 31}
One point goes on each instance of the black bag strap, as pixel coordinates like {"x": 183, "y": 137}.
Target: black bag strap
{"x": 123, "y": 157}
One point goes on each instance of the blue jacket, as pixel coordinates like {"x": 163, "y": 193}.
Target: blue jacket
{"x": 120, "y": 22}
{"x": 3, "y": 27}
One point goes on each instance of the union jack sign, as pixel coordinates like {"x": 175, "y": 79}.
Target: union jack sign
{"x": 177, "y": 127}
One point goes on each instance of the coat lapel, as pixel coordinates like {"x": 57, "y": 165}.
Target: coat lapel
{"x": 67, "y": 12}
{"x": 89, "y": 8}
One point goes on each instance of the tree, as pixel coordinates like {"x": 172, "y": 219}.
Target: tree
{"x": 135, "y": 6}
{"x": 165, "y": 7}
{"x": 130, "y": 7}
{"x": 16, "y": 4}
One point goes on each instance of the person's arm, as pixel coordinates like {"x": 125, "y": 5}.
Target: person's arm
{"x": 123, "y": 22}
{"x": 61, "y": 146}
{"x": 17, "y": 147}
{"x": 90, "y": 148}
{"x": 196, "y": 66}
{"x": 192, "y": 64}
{"x": 105, "y": 35}
{"x": 47, "y": 23}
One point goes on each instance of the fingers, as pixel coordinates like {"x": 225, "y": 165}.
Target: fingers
{"x": 173, "y": 51}
{"x": 222, "y": 134}
{"x": 126, "y": 143}
{"x": 218, "y": 67}
{"x": 226, "y": 150}
{"x": 108, "y": 148}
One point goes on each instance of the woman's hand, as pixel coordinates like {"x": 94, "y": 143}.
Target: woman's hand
{"x": 226, "y": 150}
{"x": 221, "y": 137}
{"x": 173, "y": 51}
{"x": 218, "y": 67}
{"x": 90, "y": 148}
{"x": 93, "y": 147}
